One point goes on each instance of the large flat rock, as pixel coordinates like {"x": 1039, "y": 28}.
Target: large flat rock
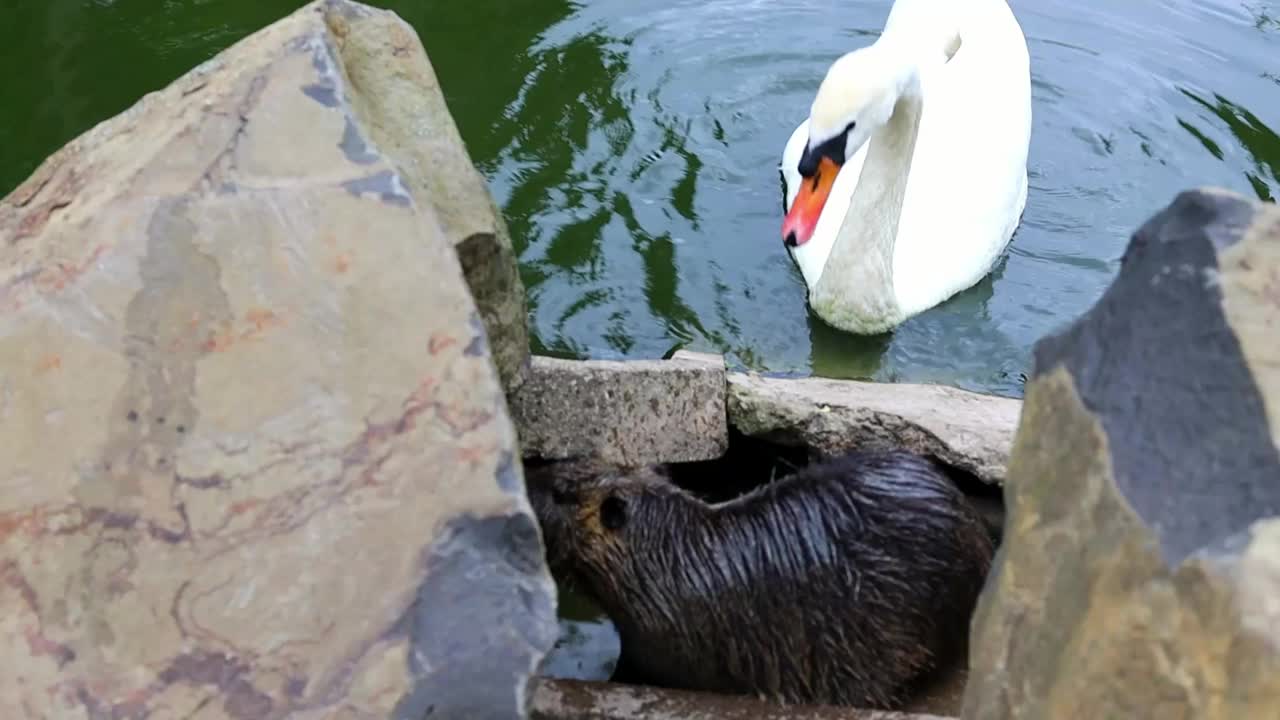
{"x": 1140, "y": 571}
{"x": 966, "y": 430}
{"x": 257, "y": 459}
{"x": 626, "y": 412}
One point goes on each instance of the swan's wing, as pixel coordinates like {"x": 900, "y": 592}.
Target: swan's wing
{"x": 976, "y": 127}
{"x": 930, "y": 24}
{"x": 968, "y": 176}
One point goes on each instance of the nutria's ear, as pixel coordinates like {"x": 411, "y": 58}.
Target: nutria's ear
{"x": 651, "y": 474}
{"x": 613, "y": 513}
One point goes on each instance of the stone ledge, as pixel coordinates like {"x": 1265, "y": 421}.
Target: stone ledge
{"x": 632, "y": 412}
{"x": 680, "y": 410}
{"x": 969, "y": 431}
{"x": 580, "y": 700}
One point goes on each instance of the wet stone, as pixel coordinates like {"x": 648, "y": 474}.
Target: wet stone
{"x": 968, "y": 431}
{"x": 1143, "y": 540}
{"x": 577, "y": 700}
{"x": 641, "y": 411}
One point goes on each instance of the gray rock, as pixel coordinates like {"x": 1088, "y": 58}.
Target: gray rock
{"x": 394, "y": 92}
{"x": 1141, "y": 566}
{"x": 257, "y": 459}
{"x": 963, "y": 429}
{"x": 634, "y": 412}
{"x": 579, "y": 700}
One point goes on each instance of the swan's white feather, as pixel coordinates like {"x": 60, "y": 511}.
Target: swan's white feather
{"x": 967, "y": 188}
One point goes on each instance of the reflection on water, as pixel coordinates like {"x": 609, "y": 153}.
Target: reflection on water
{"x": 1260, "y": 141}
{"x": 633, "y": 148}
{"x": 588, "y": 644}
{"x": 1264, "y": 17}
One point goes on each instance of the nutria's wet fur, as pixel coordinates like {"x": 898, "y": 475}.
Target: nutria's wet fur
{"x": 844, "y": 583}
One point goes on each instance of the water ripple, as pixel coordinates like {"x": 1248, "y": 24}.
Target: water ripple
{"x": 633, "y": 149}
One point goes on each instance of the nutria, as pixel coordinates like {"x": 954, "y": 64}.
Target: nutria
{"x": 843, "y": 583}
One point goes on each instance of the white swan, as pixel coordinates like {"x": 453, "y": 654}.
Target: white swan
{"x": 906, "y": 182}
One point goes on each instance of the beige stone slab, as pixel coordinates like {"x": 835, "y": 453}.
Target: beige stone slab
{"x": 966, "y": 430}
{"x": 633, "y": 412}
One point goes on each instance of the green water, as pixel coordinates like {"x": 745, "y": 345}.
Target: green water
{"x": 633, "y": 147}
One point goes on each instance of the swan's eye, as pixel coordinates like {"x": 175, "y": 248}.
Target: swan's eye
{"x": 832, "y": 148}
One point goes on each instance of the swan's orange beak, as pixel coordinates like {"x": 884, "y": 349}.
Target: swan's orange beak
{"x": 807, "y": 208}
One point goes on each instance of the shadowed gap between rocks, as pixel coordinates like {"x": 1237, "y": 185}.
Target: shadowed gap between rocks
{"x": 752, "y": 462}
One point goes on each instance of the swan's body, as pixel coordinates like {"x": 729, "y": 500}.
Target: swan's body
{"x": 916, "y": 213}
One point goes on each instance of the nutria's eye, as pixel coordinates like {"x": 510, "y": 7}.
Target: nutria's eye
{"x": 613, "y": 513}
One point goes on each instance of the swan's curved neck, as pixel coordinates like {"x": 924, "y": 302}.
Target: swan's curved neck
{"x": 855, "y": 290}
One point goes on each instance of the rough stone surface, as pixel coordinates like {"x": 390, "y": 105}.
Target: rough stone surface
{"x": 581, "y": 700}
{"x": 393, "y": 91}
{"x": 944, "y": 694}
{"x": 257, "y": 460}
{"x": 1140, "y": 575}
{"x": 634, "y": 412}
{"x": 966, "y": 430}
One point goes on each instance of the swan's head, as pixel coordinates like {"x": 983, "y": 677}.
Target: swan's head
{"x": 856, "y": 97}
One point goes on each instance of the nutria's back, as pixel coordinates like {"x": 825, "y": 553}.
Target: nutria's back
{"x": 842, "y": 583}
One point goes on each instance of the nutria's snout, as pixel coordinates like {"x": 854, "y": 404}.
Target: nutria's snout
{"x": 554, "y": 505}
{"x": 562, "y": 496}
{"x": 582, "y": 506}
